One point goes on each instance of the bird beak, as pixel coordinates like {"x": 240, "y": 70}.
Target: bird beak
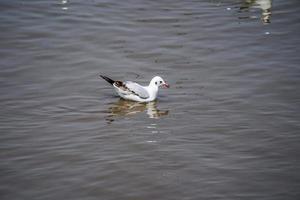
{"x": 165, "y": 85}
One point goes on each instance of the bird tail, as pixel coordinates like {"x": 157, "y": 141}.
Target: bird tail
{"x": 107, "y": 79}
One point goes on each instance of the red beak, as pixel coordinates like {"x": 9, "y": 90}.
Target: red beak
{"x": 165, "y": 85}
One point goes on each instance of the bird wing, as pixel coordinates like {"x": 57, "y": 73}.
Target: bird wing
{"x": 137, "y": 89}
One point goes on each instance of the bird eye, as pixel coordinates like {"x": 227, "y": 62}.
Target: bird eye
{"x": 155, "y": 83}
{"x": 160, "y": 81}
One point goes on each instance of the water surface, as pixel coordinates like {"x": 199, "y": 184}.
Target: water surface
{"x": 228, "y": 128}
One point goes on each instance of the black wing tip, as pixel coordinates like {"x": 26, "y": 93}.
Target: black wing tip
{"x": 110, "y": 81}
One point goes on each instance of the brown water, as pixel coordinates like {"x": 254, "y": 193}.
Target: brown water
{"x": 228, "y": 128}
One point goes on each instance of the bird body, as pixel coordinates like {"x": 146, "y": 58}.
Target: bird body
{"x": 133, "y": 91}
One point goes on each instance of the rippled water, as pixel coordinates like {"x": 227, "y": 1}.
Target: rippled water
{"x": 228, "y": 128}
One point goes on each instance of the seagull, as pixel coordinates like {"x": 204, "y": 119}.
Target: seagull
{"x": 133, "y": 91}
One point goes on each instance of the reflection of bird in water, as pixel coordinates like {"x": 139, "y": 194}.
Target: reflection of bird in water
{"x": 264, "y": 5}
{"x": 129, "y": 108}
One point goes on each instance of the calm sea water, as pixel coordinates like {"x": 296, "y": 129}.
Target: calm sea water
{"x": 228, "y": 128}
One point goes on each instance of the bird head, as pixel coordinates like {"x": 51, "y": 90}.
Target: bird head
{"x": 159, "y": 82}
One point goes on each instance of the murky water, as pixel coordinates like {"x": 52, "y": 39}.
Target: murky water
{"x": 228, "y": 128}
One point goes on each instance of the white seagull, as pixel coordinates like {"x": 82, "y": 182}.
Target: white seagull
{"x": 133, "y": 91}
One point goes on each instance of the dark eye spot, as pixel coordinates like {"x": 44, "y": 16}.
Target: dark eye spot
{"x": 155, "y": 83}
{"x": 160, "y": 81}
